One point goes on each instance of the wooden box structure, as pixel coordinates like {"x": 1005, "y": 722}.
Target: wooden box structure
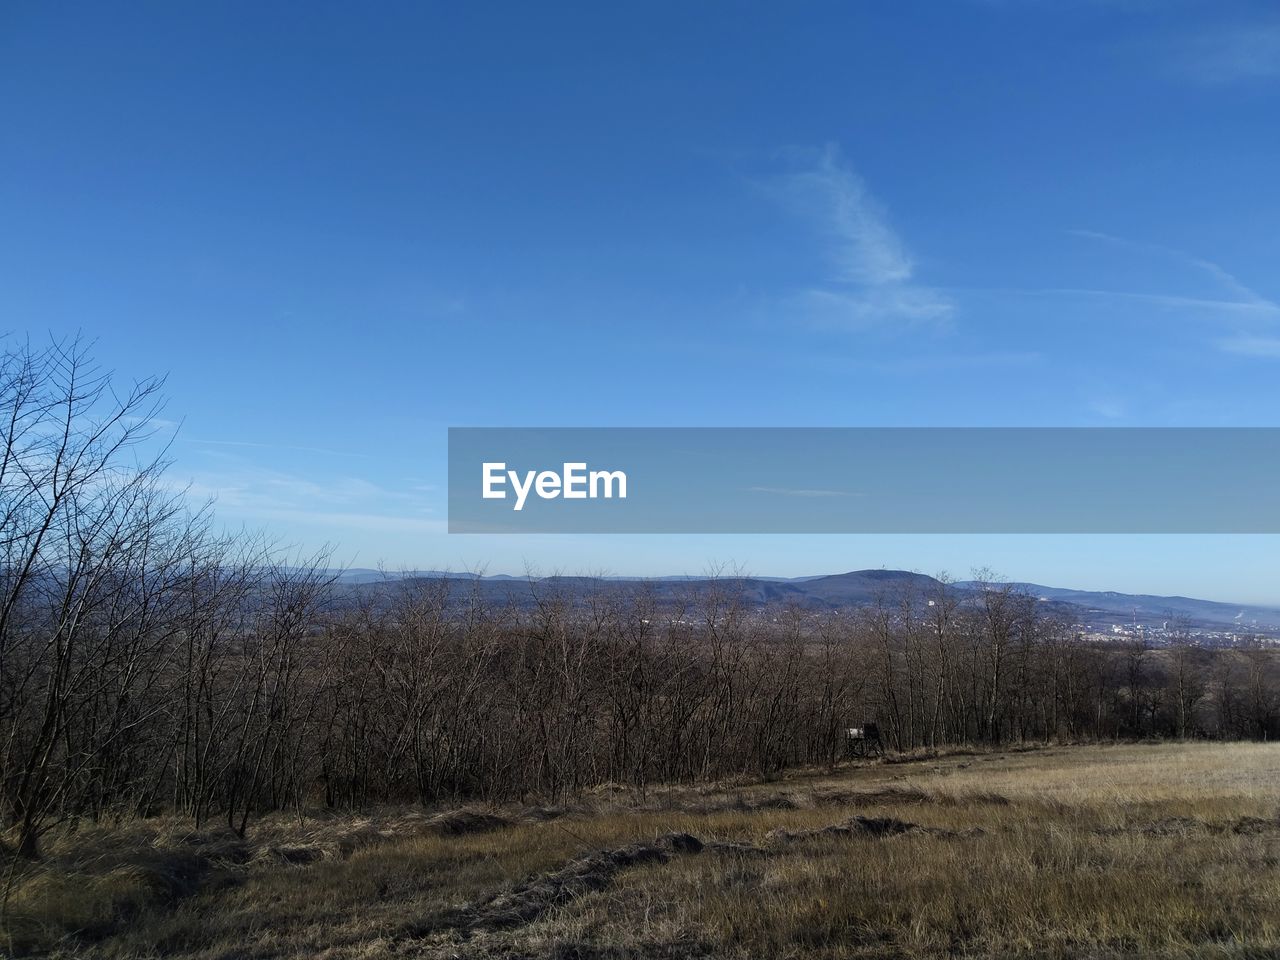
{"x": 863, "y": 740}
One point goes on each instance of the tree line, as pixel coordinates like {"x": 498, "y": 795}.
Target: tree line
{"x": 151, "y": 664}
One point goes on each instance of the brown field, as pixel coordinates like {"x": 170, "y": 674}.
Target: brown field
{"x": 1147, "y": 850}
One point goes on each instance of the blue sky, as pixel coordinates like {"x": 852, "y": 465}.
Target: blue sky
{"x": 341, "y": 231}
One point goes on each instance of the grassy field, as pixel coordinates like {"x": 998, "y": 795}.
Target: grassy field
{"x": 1146, "y": 850}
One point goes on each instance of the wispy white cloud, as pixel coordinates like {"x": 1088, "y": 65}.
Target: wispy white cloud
{"x": 1260, "y": 309}
{"x": 827, "y": 190}
{"x": 1231, "y": 53}
{"x": 247, "y": 492}
{"x": 938, "y": 362}
{"x": 924, "y": 364}
{"x": 1108, "y": 408}
{"x": 873, "y": 272}
{"x": 1267, "y": 347}
{"x": 354, "y": 520}
{"x": 857, "y": 309}
{"x": 200, "y": 441}
{"x": 1251, "y": 314}
{"x": 157, "y": 424}
{"x": 1244, "y": 295}
{"x": 794, "y": 492}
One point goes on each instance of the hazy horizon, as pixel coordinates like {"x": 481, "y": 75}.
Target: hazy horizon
{"x": 730, "y": 569}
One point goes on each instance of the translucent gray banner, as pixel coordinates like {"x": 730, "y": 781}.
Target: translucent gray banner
{"x": 864, "y": 480}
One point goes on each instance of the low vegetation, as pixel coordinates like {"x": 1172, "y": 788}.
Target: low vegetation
{"x": 1144, "y": 850}
{"x": 208, "y": 750}
{"x": 152, "y": 667}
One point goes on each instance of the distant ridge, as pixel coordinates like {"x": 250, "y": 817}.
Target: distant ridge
{"x": 1098, "y": 610}
{"x": 1147, "y": 608}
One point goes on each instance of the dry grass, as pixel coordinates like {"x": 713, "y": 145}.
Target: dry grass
{"x": 1149, "y": 850}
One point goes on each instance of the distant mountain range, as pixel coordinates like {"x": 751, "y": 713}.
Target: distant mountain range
{"x": 1096, "y": 610}
{"x": 1148, "y": 609}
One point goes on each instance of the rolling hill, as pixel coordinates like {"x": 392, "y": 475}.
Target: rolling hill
{"x": 1095, "y": 610}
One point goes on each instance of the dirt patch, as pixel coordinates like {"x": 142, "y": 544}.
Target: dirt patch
{"x": 884, "y": 796}
{"x": 854, "y": 826}
{"x": 734, "y": 848}
{"x": 738, "y": 803}
{"x": 986, "y": 797}
{"x": 458, "y": 823}
{"x": 289, "y": 856}
{"x": 527, "y": 901}
{"x": 544, "y": 814}
{"x": 878, "y": 797}
{"x": 1181, "y": 826}
{"x": 865, "y": 827}
{"x": 777, "y": 801}
{"x": 1164, "y": 827}
{"x": 858, "y": 826}
{"x": 1170, "y": 826}
{"x": 1255, "y": 825}
{"x": 906, "y": 796}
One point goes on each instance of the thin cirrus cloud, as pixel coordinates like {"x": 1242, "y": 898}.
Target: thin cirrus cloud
{"x": 1252, "y": 315}
{"x": 871, "y": 283}
{"x": 245, "y": 492}
{"x": 1265, "y": 347}
{"x": 1242, "y": 296}
{"x": 802, "y": 492}
{"x": 200, "y": 441}
{"x": 1234, "y": 53}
